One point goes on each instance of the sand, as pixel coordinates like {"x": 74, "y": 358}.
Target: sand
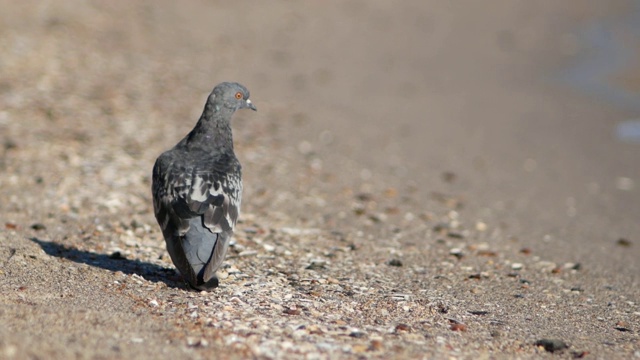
{"x": 419, "y": 182}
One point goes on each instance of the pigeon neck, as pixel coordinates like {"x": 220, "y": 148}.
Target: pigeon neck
{"x": 213, "y": 129}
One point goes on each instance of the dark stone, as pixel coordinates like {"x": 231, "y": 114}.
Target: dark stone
{"x": 38, "y": 226}
{"x": 395, "y": 262}
{"x": 116, "y": 255}
{"x": 478, "y": 312}
{"x": 551, "y": 345}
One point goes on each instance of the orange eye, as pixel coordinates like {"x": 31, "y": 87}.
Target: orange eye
{"x": 238, "y": 95}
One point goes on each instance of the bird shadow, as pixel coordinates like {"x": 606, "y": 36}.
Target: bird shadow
{"x": 113, "y": 262}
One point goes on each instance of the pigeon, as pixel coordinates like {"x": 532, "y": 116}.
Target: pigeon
{"x": 197, "y": 189}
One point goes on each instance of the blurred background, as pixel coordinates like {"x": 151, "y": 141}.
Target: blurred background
{"x": 525, "y": 113}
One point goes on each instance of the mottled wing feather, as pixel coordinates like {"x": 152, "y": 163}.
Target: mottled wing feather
{"x": 209, "y": 189}
{"x": 166, "y": 185}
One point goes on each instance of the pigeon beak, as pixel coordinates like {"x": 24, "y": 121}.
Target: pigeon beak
{"x": 251, "y": 106}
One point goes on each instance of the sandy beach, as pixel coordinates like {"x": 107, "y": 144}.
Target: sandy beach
{"x": 423, "y": 179}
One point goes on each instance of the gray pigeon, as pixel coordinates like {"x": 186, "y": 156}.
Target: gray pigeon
{"x": 197, "y": 189}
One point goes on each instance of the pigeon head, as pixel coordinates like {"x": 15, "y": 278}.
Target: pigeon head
{"x": 231, "y": 96}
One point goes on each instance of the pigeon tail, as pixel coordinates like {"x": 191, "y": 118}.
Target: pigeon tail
{"x": 204, "y": 252}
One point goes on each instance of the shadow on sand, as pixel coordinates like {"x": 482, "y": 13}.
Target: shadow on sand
{"x": 113, "y": 262}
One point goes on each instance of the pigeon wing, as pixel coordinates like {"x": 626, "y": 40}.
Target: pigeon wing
{"x": 210, "y": 189}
